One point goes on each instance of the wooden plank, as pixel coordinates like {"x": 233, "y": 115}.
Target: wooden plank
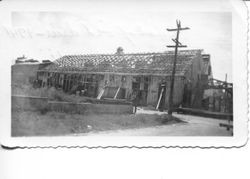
{"x": 158, "y": 103}
{"x": 117, "y": 92}
{"x": 205, "y": 113}
{"x": 228, "y": 126}
{"x": 185, "y": 28}
{"x": 101, "y": 93}
{"x": 174, "y": 46}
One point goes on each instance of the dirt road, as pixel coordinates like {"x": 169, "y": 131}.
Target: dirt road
{"x": 195, "y": 126}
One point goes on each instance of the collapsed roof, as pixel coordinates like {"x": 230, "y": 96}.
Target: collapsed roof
{"x": 134, "y": 63}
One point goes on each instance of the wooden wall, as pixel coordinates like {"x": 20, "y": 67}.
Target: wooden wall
{"x": 114, "y": 80}
{"x": 154, "y": 90}
{"x": 194, "y": 78}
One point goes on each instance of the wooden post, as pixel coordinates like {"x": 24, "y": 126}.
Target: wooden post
{"x": 177, "y": 44}
{"x": 53, "y": 79}
{"x": 44, "y": 80}
{"x": 67, "y": 83}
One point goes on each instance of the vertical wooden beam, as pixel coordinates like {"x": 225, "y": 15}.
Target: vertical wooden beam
{"x": 69, "y": 79}
{"x": 43, "y": 79}
{"x": 52, "y": 79}
{"x": 47, "y": 79}
{"x": 66, "y": 83}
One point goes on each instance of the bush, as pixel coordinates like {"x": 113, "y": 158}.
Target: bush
{"x": 51, "y": 93}
{"x": 44, "y": 110}
{"x": 56, "y": 96}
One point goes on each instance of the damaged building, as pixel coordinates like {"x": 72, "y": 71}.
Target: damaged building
{"x": 24, "y": 71}
{"x": 118, "y": 75}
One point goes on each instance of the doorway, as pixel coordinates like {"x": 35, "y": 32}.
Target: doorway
{"x": 140, "y": 85}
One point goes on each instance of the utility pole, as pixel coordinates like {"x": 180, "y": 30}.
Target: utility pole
{"x": 176, "y": 46}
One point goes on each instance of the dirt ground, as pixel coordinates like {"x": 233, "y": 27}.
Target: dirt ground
{"x": 192, "y": 126}
{"x": 28, "y": 123}
{"x": 39, "y": 123}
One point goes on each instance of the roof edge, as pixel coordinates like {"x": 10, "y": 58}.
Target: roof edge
{"x": 133, "y": 53}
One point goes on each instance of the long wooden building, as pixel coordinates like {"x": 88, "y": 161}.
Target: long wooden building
{"x": 118, "y": 75}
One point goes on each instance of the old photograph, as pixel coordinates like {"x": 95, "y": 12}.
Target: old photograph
{"x": 132, "y": 74}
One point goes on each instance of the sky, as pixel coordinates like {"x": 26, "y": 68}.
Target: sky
{"x": 50, "y": 35}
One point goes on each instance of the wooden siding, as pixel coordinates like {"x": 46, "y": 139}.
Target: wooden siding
{"x": 153, "y": 92}
{"x": 67, "y": 81}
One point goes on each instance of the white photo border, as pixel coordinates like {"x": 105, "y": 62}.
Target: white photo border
{"x": 239, "y": 52}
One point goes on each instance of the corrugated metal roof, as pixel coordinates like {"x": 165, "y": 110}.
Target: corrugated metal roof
{"x": 143, "y": 63}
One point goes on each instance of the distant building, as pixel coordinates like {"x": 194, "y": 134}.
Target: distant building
{"x": 24, "y": 71}
{"x": 218, "y": 96}
{"x": 23, "y": 59}
{"x": 118, "y": 75}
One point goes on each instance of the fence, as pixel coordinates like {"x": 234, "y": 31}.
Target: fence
{"x": 41, "y": 104}
{"x": 30, "y": 103}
